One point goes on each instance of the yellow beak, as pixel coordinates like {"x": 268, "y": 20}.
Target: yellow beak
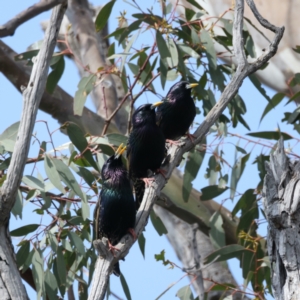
{"x": 191, "y": 85}
{"x": 156, "y": 104}
{"x": 120, "y": 151}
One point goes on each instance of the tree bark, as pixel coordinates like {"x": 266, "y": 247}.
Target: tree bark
{"x": 10, "y": 280}
{"x": 281, "y": 203}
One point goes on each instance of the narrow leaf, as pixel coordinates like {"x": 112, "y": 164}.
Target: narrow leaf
{"x": 142, "y": 242}
{"x": 211, "y": 191}
{"x": 24, "y": 230}
{"x": 162, "y": 46}
{"x": 271, "y": 135}
{"x": 158, "y": 224}
{"x": 125, "y": 287}
{"x": 272, "y": 104}
{"x": 216, "y": 233}
{"x": 103, "y": 15}
{"x": 185, "y": 293}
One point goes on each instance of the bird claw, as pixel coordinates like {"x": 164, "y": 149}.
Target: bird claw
{"x": 112, "y": 249}
{"x": 148, "y": 181}
{"x": 132, "y": 232}
{"x": 191, "y": 137}
{"x": 175, "y": 143}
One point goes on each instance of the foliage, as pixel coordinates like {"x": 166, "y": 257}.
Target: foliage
{"x": 61, "y": 251}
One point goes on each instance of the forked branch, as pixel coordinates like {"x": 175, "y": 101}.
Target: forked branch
{"x": 105, "y": 265}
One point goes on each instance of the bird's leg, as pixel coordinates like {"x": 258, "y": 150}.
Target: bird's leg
{"x": 112, "y": 248}
{"x": 132, "y": 232}
{"x": 162, "y": 172}
{"x": 176, "y": 143}
{"x": 191, "y": 137}
{"x": 148, "y": 181}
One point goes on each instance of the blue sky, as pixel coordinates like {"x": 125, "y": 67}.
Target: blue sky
{"x": 144, "y": 277}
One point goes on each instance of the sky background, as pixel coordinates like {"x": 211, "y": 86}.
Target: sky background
{"x": 144, "y": 277}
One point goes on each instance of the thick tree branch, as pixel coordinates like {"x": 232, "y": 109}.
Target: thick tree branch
{"x": 10, "y": 27}
{"x": 105, "y": 264}
{"x": 11, "y": 282}
{"x": 59, "y": 104}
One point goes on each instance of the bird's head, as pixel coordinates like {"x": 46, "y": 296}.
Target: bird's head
{"x": 114, "y": 165}
{"x": 145, "y": 114}
{"x": 181, "y": 89}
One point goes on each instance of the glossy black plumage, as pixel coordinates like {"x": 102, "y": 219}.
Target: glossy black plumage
{"x": 146, "y": 147}
{"x": 115, "y": 210}
{"x": 177, "y": 111}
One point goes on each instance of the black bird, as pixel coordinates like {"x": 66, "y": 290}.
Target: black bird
{"x": 114, "y": 214}
{"x": 145, "y": 149}
{"x": 177, "y": 111}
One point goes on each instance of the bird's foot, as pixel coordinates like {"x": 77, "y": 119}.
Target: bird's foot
{"x": 175, "y": 143}
{"x": 162, "y": 172}
{"x": 191, "y": 137}
{"x": 112, "y": 248}
{"x": 148, "y": 181}
{"x": 132, "y": 232}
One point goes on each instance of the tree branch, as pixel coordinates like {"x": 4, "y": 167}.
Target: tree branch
{"x": 10, "y": 27}
{"x": 59, "y": 104}
{"x": 105, "y": 264}
{"x": 11, "y": 282}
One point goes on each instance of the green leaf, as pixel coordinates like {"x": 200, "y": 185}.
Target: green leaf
{"x": 195, "y": 3}
{"x": 237, "y": 172}
{"x": 250, "y": 47}
{"x": 18, "y": 206}
{"x": 295, "y": 80}
{"x": 142, "y": 242}
{"x": 52, "y": 173}
{"x": 125, "y": 287}
{"x": 297, "y": 49}
{"x": 127, "y": 49}
{"x": 116, "y": 139}
{"x": 38, "y": 272}
{"x": 173, "y": 59}
{"x": 76, "y": 135}
{"x": 33, "y": 182}
{"x": 163, "y": 68}
{"x": 245, "y": 202}
{"x": 162, "y": 46}
{"x": 216, "y": 233}
{"x": 259, "y": 87}
{"x": 247, "y": 219}
{"x": 209, "y": 48}
{"x": 67, "y": 177}
{"x": 211, "y": 191}
{"x": 85, "y": 208}
{"x": 158, "y": 224}
{"x": 225, "y": 253}
{"x": 23, "y": 253}
{"x": 185, "y": 293}
{"x": 194, "y": 162}
{"x": 89, "y": 178}
{"x": 50, "y": 285}
{"x": 61, "y": 275}
{"x": 103, "y": 15}
{"x": 77, "y": 242}
{"x": 24, "y": 230}
{"x": 85, "y": 86}
{"x": 9, "y": 136}
{"x": 212, "y": 170}
{"x": 188, "y": 50}
{"x": 55, "y": 75}
{"x": 241, "y": 150}
{"x": 277, "y": 98}
{"x": 53, "y": 241}
{"x": 271, "y": 135}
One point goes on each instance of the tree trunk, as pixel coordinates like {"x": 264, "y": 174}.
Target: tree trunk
{"x": 281, "y": 202}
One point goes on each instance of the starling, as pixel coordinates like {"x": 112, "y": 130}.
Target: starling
{"x": 114, "y": 214}
{"x": 177, "y": 111}
{"x": 146, "y": 148}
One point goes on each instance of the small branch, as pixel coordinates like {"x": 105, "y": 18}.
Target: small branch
{"x": 105, "y": 265}
{"x": 10, "y": 27}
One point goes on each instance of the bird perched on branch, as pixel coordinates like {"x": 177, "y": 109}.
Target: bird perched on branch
{"x": 177, "y": 111}
{"x": 114, "y": 214}
{"x": 145, "y": 149}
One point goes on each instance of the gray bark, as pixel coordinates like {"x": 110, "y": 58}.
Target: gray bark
{"x": 281, "y": 194}
{"x": 10, "y": 280}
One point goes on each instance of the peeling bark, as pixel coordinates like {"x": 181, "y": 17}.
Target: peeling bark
{"x": 281, "y": 200}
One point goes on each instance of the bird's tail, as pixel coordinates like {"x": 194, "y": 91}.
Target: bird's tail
{"x": 139, "y": 188}
{"x": 116, "y": 269}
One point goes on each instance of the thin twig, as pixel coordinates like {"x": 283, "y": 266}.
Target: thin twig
{"x": 10, "y": 27}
